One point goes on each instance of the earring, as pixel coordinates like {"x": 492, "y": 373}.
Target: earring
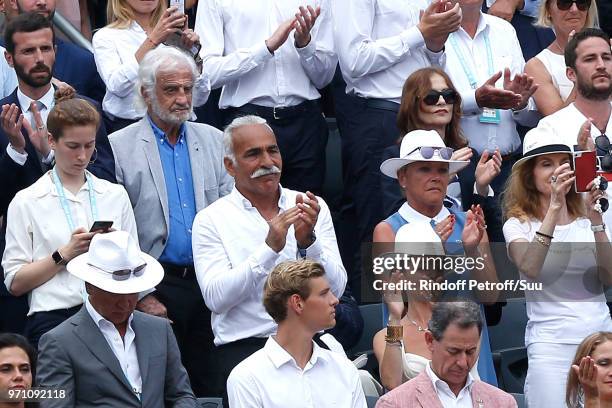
{"x": 94, "y": 157}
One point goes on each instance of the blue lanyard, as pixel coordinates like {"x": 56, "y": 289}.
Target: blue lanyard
{"x": 60, "y": 191}
{"x": 464, "y": 64}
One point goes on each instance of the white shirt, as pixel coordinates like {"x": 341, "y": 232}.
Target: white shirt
{"x": 48, "y": 102}
{"x": 412, "y": 215}
{"x": 271, "y": 378}
{"x": 566, "y": 123}
{"x": 114, "y": 53}
{"x": 124, "y": 349}
{"x": 8, "y": 78}
{"x": 555, "y": 65}
{"x": 506, "y": 53}
{"x": 448, "y": 399}
{"x": 235, "y": 55}
{"x": 232, "y": 262}
{"x": 553, "y": 316}
{"x": 379, "y": 46}
{"x": 37, "y": 226}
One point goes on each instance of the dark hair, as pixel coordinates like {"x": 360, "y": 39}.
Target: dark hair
{"x": 464, "y": 314}
{"x": 286, "y": 279}
{"x": 570, "y": 48}
{"x": 70, "y": 111}
{"x": 416, "y": 87}
{"x": 25, "y": 23}
{"x": 17, "y": 340}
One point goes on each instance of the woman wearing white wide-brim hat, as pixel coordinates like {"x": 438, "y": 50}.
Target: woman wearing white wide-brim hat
{"x": 542, "y": 207}
{"x": 422, "y": 170}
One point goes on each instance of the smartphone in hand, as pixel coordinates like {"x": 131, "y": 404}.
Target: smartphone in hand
{"x": 101, "y": 226}
{"x": 585, "y": 170}
{"x": 179, "y": 4}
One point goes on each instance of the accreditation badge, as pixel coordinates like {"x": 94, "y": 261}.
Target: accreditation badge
{"x": 490, "y": 116}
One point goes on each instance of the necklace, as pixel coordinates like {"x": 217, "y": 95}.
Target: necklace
{"x": 418, "y": 326}
{"x": 561, "y": 50}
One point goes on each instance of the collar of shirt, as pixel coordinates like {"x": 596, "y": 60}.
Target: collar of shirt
{"x": 45, "y": 185}
{"x": 279, "y": 356}
{"x": 410, "y": 214}
{"x": 161, "y": 136}
{"x": 482, "y": 26}
{"x": 100, "y": 320}
{"x": 240, "y": 200}
{"x": 594, "y": 129}
{"x": 441, "y": 385}
{"x": 47, "y": 99}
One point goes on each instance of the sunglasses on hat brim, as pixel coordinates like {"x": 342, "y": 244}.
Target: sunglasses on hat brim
{"x": 427, "y": 152}
{"x": 123, "y": 274}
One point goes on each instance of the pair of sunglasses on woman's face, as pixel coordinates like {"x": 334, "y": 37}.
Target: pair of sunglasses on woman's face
{"x": 433, "y": 97}
{"x": 582, "y": 5}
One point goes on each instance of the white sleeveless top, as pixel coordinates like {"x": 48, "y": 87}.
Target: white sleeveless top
{"x": 414, "y": 364}
{"x": 555, "y": 65}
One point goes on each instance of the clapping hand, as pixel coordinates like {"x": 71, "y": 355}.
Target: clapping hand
{"x": 13, "y": 122}
{"x": 305, "y": 19}
{"x": 522, "y": 85}
{"x": 474, "y": 228}
{"x": 486, "y": 170}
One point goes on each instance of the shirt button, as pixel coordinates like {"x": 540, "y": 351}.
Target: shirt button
{"x": 185, "y": 205}
{"x": 180, "y": 179}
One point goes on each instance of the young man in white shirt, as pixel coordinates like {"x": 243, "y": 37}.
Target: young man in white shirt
{"x": 271, "y": 57}
{"x": 291, "y": 369}
{"x": 238, "y": 239}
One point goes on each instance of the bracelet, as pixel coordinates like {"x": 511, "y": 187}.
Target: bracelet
{"x": 542, "y": 241}
{"x": 394, "y": 334}
{"x": 598, "y": 228}
{"x": 544, "y": 235}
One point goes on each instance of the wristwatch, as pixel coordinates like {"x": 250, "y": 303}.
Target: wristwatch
{"x": 58, "y": 258}
{"x": 598, "y": 228}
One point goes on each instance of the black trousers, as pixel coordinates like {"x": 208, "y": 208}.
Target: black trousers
{"x": 301, "y": 133}
{"x": 229, "y": 356}
{"x": 192, "y": 328}
{"x": 41, "y": 322}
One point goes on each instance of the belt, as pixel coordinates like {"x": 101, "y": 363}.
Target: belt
{"x": 382, "y": 104}
{"x": 279, "y": 112}
{"x": 180, "y": 271}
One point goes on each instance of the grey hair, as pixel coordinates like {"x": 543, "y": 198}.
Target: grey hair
{"x": 160, "y": 59}
{"x": 465, "y": 314}
{"x": 228, "y": 132}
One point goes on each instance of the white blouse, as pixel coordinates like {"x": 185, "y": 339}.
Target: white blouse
{"x": 37, "y": 226}
{"x": 115, "y": 55}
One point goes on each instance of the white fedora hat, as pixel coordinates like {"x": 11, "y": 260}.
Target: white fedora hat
{"x": 539, "y": 141}
{"x": 114, "y": 263}
{"x": 410, "y": 152}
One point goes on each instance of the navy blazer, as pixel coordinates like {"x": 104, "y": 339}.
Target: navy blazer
{"x": 76, "y": 66}
{"x": 15, "y": 177}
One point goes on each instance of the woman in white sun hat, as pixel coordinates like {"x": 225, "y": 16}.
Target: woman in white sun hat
{"x": 422, "y": 170}
{"x": 49, "y": 222}
{"x": 542, "y": 207}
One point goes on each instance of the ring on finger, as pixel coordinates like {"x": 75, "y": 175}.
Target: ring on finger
{"x": 553, "y": 179}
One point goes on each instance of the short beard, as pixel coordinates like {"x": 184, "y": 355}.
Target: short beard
{"x": 168, "y": 117}
{"x": 589, "y": 92}
{"x": 29, "y": 80}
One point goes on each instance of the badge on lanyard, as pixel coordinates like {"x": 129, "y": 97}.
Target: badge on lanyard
{"x": 490, "y": 115}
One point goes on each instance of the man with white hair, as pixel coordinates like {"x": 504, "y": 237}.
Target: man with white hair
{"x": 239, "y": 239}
{"x": 172, "y": 168}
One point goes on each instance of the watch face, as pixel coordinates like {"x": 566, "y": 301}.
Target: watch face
{"x": 57, "y": 258}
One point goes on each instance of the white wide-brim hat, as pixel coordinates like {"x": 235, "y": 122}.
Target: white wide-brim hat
{"x": 110, "y": 262}
{"x": 539, "y": 141}
{"x": 418, "y": 238}
{"x": 410, "y": 153}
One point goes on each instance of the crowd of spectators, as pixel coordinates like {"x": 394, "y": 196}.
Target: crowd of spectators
{"x": 167, "y": 234}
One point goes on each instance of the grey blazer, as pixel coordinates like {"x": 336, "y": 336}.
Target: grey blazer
{"x": 76, "y": 357}
{"x": 138, "y": 167}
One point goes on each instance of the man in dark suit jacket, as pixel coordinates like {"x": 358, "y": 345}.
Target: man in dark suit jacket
{"x": 107, "y": 354}
{"x": 21, "y": 163}
{"x": 73, "y": 64}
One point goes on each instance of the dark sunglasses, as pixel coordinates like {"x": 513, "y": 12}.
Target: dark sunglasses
{"x": 428, "y": 152}
{"x": 582, "y": 5}
{"x": 433, "y": 97}
{"x": 604, "y": 152}
{"x": 123, "y": 274}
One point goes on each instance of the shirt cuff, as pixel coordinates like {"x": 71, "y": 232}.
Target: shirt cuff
{"x": 412, "y": 38}
{"x": 47, "y": 160}
{"x": 490, "y": 193}
{"x": 470, "y": 106}
{"x": 264, "y": 259}
{"x": 19, "y": 158}
{"x": 307, "y": 51}
{"x": 261, "y": 53}
{"x": 314, "y": 250}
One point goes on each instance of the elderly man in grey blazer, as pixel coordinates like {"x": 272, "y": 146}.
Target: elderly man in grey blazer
{"x": 107, "y": 354}
{"x": 171, "y": 169}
